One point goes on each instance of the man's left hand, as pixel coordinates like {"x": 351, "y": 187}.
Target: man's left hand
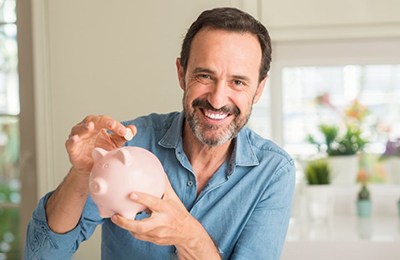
{"x": 169, "y": 224}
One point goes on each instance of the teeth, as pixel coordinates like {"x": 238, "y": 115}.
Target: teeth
{"x": 215, "y": 116}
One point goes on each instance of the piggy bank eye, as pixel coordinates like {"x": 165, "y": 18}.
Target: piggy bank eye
{"x": 105, "y": 165}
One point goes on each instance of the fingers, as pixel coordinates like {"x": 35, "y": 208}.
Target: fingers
{"x": 141, "y": 229}
{"x": 149, "y": 201}
{"x": 95, "y": 131}
{"x": 73, "y": 145}
{"x": 166, "y": 224}
{"x": 120, "y": 140}
{"x": 153, "y": 203}
{"x": 124, "y": 222}
{"x": 137, "y": 226}
{"x": 94, "y": 124}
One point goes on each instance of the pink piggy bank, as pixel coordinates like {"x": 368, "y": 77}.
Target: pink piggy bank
{"x": 118, "y": 173}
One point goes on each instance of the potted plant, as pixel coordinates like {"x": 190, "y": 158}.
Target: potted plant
{"x": 342, "y": 142}
{"x": 334, "y": 144}
{"x": 364, "y": 210}
{"x": 319, "y": 194}
{"x": 341, "y": 150}
{"x": 317, "y": 172}
{"x": 364, "y": 204}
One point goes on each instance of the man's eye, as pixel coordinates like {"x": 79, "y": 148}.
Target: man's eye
{"x": 238, "y": 82}
{"x": 203, "y": 78}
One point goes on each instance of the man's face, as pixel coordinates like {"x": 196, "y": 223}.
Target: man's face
{"x": 220, "y": 84}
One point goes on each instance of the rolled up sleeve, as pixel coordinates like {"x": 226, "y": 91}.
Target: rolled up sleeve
{"x": 42, "y": 243}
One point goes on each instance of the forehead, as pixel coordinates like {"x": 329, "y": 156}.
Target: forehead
{"x": 225, "y": 48}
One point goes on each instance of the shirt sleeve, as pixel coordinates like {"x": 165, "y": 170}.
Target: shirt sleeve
{"x": 264, "y": 235}
{"x": 42, "y": 243}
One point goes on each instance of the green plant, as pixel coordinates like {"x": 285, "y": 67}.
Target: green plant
{"x": 363, "y": 194}
{"x": 333, "y": 143}
{"x": 317, "y": 172}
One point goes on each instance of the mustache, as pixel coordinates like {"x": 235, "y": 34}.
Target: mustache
{"x": 201, "y": 103}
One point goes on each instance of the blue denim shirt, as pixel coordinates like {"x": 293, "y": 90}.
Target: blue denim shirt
{"x": 245, "y": 206}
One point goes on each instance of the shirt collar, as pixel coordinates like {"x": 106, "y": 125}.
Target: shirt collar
{"x": 243, "y": 151}
{"x": 173, "y": 135}
{"x": 243, "y": 154}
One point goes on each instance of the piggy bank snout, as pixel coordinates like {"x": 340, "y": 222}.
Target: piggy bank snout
{"x": 98, "y": 186}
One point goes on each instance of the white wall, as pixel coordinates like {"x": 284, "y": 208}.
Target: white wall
{"x": 324, "y": 19}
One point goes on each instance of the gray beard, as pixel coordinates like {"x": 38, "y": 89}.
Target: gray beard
{"x": 225, "y": 135}
{"x": 229, "y": 133}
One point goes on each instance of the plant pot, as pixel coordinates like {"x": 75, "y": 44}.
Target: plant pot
{"x": 343, "y": 169}
{"x": 320, "y": 202}
{"x": 364, "y": 208}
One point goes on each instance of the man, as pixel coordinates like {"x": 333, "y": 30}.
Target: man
{"x": 229, "y": 192}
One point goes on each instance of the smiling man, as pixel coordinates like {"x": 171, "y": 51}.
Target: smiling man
{"x": 220, "y": 83}
{"x": 229, "y": 191}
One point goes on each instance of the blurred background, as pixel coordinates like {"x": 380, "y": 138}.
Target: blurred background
{"x": 333, "y": 95}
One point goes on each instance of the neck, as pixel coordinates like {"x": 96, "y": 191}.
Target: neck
{"x": 199, "y": 153}
{"x": 205, "y": 159}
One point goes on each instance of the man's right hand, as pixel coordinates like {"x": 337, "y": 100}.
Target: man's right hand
{"x": 94, "y": 131}
{"x": 65, "y": 205}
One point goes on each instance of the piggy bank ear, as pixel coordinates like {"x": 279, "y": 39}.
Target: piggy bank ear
{"x": 124, "y": 156}
{"x": 98, "y": 153}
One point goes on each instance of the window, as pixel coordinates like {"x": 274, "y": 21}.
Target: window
{"x": 9, "y": 134}
{"x": 317, "y": 95}
{"x": 315, "y": 82}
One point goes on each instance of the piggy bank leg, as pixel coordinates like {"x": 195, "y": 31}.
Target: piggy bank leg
{"x": 131, "y": 214}
{"x": 105, "y": 213}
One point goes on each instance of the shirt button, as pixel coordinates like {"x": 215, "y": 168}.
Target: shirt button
{"x": 190, "y": 183}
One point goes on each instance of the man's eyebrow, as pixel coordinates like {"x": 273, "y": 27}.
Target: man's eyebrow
{"x": 209, "y": 71}
{"x": 241, "y": 77}
{"x": 203, "y": 70}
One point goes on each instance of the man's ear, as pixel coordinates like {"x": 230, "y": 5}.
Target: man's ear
{"x": 181, "y": 73}
{"x": 260, "y": 89}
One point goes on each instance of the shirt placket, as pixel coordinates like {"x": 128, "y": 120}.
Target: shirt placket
{"x": 188, "y": 177}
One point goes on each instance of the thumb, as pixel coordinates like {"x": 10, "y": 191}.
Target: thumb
{"x": 125, "y": 135}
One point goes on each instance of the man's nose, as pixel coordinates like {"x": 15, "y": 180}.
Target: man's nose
{"x": 218, "y": 95}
